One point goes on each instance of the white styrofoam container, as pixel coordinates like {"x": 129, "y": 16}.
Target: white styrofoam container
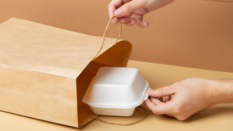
{"x": 116, "y": 91}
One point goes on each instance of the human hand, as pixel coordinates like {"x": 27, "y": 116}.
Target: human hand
{"x": 124, "y": 9}
{"x": 189, "y": 96}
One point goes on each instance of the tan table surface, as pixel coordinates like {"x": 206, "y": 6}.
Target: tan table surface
{"x": 219, "y": 117}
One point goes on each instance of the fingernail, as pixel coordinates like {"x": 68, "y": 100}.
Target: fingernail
{"x": 145, "y": 24}
{"x": 118, "y": 12}
{"x": 132, "y": 22}
{"x": 150, "y": 91}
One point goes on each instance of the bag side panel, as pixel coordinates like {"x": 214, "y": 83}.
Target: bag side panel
{"x": 38, "y": 95}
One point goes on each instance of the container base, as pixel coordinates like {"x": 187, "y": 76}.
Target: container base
{"x": 113, "y": 111}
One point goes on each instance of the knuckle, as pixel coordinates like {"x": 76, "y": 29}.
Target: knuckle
{"x": 181, "y": 117}
{"x": 176, "y": 110}
{"x": 157, "y": 90}
{"x": 126, "y": 8}
{"x": 160, "y": 90}
{"x": 110, "y": 4}
{"x": 176, "y": 84}
{"x": 155, "y": 112}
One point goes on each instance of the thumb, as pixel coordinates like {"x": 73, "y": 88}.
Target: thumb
{"x": 127, "y": 8}
{"x": 161, "y": 92}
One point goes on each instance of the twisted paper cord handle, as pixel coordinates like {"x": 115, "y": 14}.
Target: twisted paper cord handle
{"x": 120, "y": 124}
{"x": 105, "y": 33}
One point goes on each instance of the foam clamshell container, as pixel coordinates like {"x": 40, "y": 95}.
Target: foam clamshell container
{"x": 116, "y": 91}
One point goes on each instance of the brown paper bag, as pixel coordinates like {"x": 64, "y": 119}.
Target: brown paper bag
{"x": 45, "y": 71}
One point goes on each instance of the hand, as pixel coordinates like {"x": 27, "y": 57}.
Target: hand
{"x": 124, "y": 9}
{"x": 189, "y": 96}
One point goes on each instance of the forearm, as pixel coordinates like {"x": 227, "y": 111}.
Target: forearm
{"x": 221, "y": 91}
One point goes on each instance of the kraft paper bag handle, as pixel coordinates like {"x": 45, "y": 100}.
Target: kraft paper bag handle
{"x": 144, "y": 110}
{"x": 105, "y": 34}
{"x": 120, "y": 124}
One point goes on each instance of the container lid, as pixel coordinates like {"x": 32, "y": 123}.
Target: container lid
{"x": 117, "y": 87}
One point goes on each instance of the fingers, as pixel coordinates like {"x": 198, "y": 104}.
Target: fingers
{"x": 115, "y": 20}
{"x": 167, "y": 98}
{"x": 123, "y": 10}
{"x": 157, "y": 107}
{"x": 127, "y": 8}
{"x": 161, "y": 92}
{"x": 123, "y": 19}
{"x": 140, "y": 21}
{"x": 113, "y": 5}
{"x": 131, "y": 22}
{"x": 157, "y": 101}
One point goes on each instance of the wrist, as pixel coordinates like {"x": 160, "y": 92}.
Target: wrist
{"x": 221, "y": 91}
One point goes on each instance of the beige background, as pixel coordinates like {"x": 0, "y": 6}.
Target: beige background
{"x": 217, "y": 118}
{"x": 192, "y": 33}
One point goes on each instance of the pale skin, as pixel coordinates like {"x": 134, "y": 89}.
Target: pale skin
{"x": 189, "y": 96}
{"x": 125, "y": 9}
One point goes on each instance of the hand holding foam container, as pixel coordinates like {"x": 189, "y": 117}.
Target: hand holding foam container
{"x": 116, "y": 91}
